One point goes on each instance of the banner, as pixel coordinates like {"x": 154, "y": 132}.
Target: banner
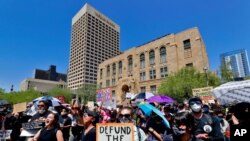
{"x": 104, "y": 94}
{"x": 20, "y": 107}
{"x": 115, "y": 132}
{"x": 204, "y": 94}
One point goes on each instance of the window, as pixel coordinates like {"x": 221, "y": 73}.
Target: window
{"x": 130, "y": 64}
{"x": 163, "y": 55}
{"x": 108, "y": 71}
{"x": 114, "y": 69}
{"x": 142, "y": 76}
{"x": 153, "y": 89}
{"x": 151, "y": 57}
{"x": 187, "y": 44}
{"x": 164, "y": 72}
{"x": 120, "y": 67}
{"x": 100, "y": 73}
{"x": 142, "y": 61}
{"x": 107, "y": 83}
{"x": 189, "y": 65}
{"x": 100, "y": 84}
{"x": 143, "y": 89}
{"x": 113, "y": 81}
{"x": 113, "y": 94}
{"x": 152, "y": 74}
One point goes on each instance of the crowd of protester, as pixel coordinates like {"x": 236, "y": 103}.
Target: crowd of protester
{"x": 189, "y": 121}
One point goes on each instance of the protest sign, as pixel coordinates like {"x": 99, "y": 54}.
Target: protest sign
{"x": 204, "y": 94}
{"x": 115, "y": 132}
{"x": 30, "y": 128}
{"x": 5, "y": 134}
{"x": 104, "y": 94}
{"x": 20, "y": 107}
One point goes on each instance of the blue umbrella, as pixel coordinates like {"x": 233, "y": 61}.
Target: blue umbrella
{"x": 51, "y": 101}
{"x": 148, "y": 109}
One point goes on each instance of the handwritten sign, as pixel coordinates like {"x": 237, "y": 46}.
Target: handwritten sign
{"x": 204, "y": 94}
{"x": 5, "y": 134}
{"x": 104, "y": 94}
{"x": 115, "y": 132}
{"x": 20, "y": 107}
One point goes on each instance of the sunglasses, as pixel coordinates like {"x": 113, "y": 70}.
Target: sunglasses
{"x": 75, "y": 108}
{"x": 40, "y": 105}
{"x": 124, "y": 115}
{"x": 195, "y": 102}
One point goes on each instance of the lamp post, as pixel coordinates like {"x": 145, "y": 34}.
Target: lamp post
{"x": 206, "y": 70}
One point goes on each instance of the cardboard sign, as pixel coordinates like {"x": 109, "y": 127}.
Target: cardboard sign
{"x": 104, "y": 94}
{"x": 20, "y": 107}
{"x": 204, "y": 94}
{"x": 5, "y": 134}
{"x": 115, "y": 132}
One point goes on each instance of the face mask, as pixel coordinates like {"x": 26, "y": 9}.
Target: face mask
{"x": 196, "y": 107}
{"x": 41, "y": 111}
{"x": 124, "y": 120}
{"x": 178, "y": 131}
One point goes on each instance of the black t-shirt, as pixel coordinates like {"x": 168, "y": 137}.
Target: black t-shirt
{"x": 66, "y": 121}
{"x": 90, "y": 136}
{"x": 48, "y": 135}
{"x": 206, "y": 120}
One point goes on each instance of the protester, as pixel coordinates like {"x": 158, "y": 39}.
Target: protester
{"x": 65, "y": 123}
{"x": 182, "y": 126}
{"x": 205, "y": 127}
{"x": 42, "y": 112}
{"x": 225, "y": 128}
{"x": 51, "y": 131}
{"x": 126, "y": 117}
{"x": 90, "y": 118}
{"x": 77, "y": 122}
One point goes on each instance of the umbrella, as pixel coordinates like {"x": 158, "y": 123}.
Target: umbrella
{"x": 148, "y": 109}
{"x": 51, "y": 100}
{"x": 143, "y": 95}
{"x": 232, "y": 92}
{"x": 160, "y": 99}
{"x": 3, "y": 102}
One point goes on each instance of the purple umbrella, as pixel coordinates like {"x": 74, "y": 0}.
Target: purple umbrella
{"x": 160, "y": 99}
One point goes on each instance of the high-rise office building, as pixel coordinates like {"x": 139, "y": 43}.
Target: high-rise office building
{"x": 237, "y": 61}
{"x": 94, "y": 38}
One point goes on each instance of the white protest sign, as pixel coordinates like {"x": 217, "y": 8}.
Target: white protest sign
{"x": 115, "y": 132}
{"x": 5, "y": 134}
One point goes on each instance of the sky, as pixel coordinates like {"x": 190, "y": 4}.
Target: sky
{"x": 35, "y": 34}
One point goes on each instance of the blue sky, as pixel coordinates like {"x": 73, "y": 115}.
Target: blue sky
{"x": 36, "y": 33}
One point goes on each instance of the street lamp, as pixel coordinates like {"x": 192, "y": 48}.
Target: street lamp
{"x": 206, "y": 70}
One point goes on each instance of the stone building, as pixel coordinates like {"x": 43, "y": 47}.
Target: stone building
{"x": 144, "y": 67}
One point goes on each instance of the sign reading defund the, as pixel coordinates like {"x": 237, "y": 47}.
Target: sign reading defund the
{"x": 115, "y": 132}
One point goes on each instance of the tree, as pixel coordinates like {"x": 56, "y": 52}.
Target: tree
{"x": 61, "y": 92}
{"x": 87, "y": 92}
{"x": 2, "y": 91}
{"x": 226, "y": 73}
{"x": 180, "y": 84}
{"x": 21, "y": 96}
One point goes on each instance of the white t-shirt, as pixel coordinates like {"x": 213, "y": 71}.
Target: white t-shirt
{"x": 136, "y": 137}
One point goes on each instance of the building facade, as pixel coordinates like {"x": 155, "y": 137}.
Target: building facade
{"x": 237, "y": 61}
{"x": 143, "y": 68}
{"x": 41, "y": 85}
{"x": 50, "y": 74}
{"x": 94, "y": 38}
